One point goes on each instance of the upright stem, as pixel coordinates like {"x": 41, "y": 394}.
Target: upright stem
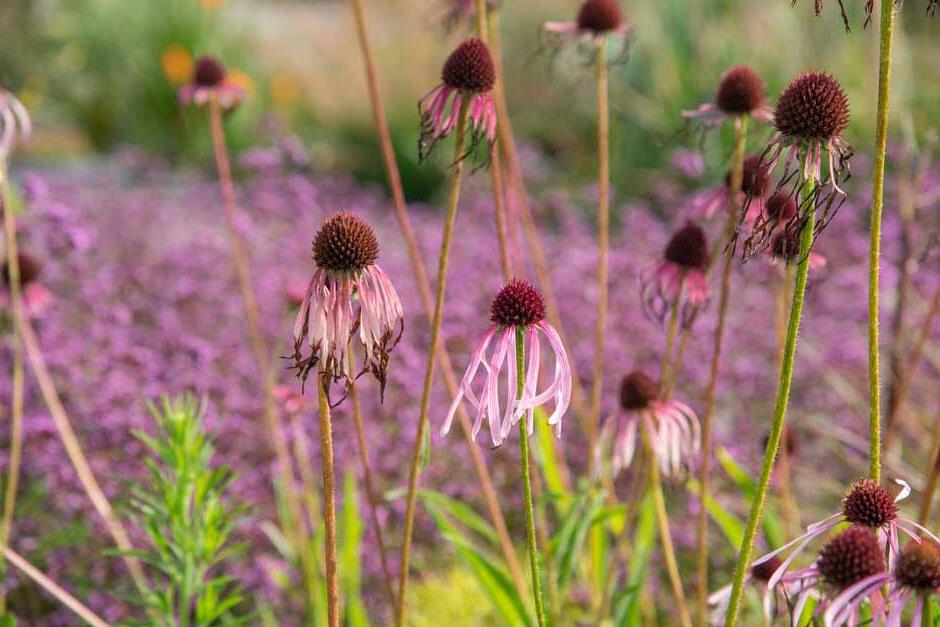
{"x": 780, "y": 412}
{"x": 457, "y": 171}
{"x": 662, "y": 519}
{"x": 16, "y": 404}
{"x": 603, "y": 241}
{"x": 734, "y": 189}
{"x": 877, "y": 204}
{"x": 527, "y": 484}
{"x": 671, "y": 331}
{"x": 424, "y": 290}
{"x": 933, "y": 475}
{"x": 329, "y": 501}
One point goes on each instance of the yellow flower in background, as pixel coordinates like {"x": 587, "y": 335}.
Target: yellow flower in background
{"x": 177, "y": 64}
{"x": 285, "y": 89}
{"x": 238, "y": 78}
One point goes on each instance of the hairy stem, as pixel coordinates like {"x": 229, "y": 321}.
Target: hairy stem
{"x": 456, "y": 174}
{"x": 780, "y": 413}
{"x": 424, "y": 290}
{"x": 329, "y": 500}
{"x": 527, "y": 485}
{"x": 734, "y": 189}
{"x": 877, "y": 204}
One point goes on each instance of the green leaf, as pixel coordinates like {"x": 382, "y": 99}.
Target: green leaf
{"x": 626, "y": 607}
{"x": 771, "y": 523}
{"x": 349, "y": 554}
{"x": 730, "y": 525}
{"x": 462, "y": 513}
{"x": 569, "y": 540}
{"x": 546, "y": 456}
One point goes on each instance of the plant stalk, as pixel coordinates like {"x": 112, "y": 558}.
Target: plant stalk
{"x": 329, "y": 500}
{"x": 930, "y": 487}
{"x": 456, "y": 174}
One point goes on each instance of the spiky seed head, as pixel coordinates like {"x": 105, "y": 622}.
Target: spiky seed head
{"x": 765, "y": 570}
{"x": 638, "y": 391}
{"x": 470, "y": 67}
{"x": 740, "y": 91}
{"x": 688, "y": 247}
{"x": 30, "y": 269}
{"x": 918, "y": 566}
{"x": 208, "y": 72}
{"x": 813, "y": 106}
{"x": 755, "y": 176}
{"x": 518, "y": 304}
{"x": 868, "y": 503}
{"x": 850, "y": 557}
{"x": 599, "y": 16}
{"x": 345, "y": 243}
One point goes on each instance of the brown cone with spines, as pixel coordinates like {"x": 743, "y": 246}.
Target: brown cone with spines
{"x": 345, "y": 243}
{"x": 918, "y": 566}
{"x": 518, "y": 304}
{"x": 850, "y": 557}
{"x": 638, "y": 391}
{"x": 813, "y": 106}
{"x": 470, "y": 67}
{"x": 740, "y": 91}
{"x": 688, "y": 247}
{"x": 599, "y": 16}
{"x": 868, "y": 503}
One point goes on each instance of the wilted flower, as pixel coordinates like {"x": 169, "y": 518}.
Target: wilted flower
{"x": 35, "y": 296}
{"x": 596, "y": 20}
{"x": 518, "y": 307}
{"x": 755, "y": 183}
{"x": 679, "y": 280}
{"x": 758, "y": 576}
{"x": 15, "y": 124}
{"x": 453, "y": 12}
{"x": 345, "y": 250}
{"x": 468, "y": 77}
{"x": 786, "y": 244}
{"x": 740, "y": 92}
{"x": 211, "y": 82}
{"x": 810, "y": 117}
{"x": 672, "y": 426}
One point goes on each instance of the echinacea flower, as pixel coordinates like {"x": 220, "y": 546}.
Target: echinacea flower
{"x": 785, "y": 247}
{"x": 596, "y": 20}
{"x": 210, "y": 82}
{"x": 349, "y": 292}
{"x": 672, "y": 426}
{"x": 838, "y": 574}
{"x": 679, "y": 280}
{"x": 35, "y": 296}
{"x": 15, "y": 124}
{"x": 517, "y": 308}
{"x": 740, "y": 93}
{"x": 868, "y": 504}
{"x": 467, "y": 78}
{"x": 916, "y": 574}
{"x": 755, "y": 183}
{"x": 758, "y": 576}
{"x": 811, "y": 115}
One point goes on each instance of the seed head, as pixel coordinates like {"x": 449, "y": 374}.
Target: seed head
{"x": 918, "y": 566}
{"x": 781, "y": 207}
{"x": 755, "y": 176}
{"x": 765, "y": 570}
{"x": 813, "y": 106}
{"x": 740, "y": 91}
{"x": 868, "y": 503}
{"x": 345, "y": 243}
{"x": 518, "y": 304}
{"x": 688, "y": 247}
{"x": 599, "y": 16}
{"x": 637, "y": 391}
{"x": 850, "y": 557}
{"x": 209, "y": 72}
{"x": 30, "y": 269}
{"x": 470, "y": 67}
{"x": 786, "y": 245}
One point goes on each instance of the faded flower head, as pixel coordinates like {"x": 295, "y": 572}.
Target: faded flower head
{"x": 35, "y": 296}
{"x": 15, "y": 123}
{"x": 740, "y": 92}
{"x": 210, "y": 82}
{"x": 680, "y": 279}
{"x": 918, "y": 566}
{"x": 672, "y": 426}
{"x": 755, "y": 184}
{"x": 517, "y": 315}
{"x": 596, "y": 20}
{"x": 349, "y": 292}
{"x": 467, "y": 80}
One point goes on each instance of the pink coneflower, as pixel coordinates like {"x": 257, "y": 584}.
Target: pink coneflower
{"x": 672, "y": 426}
{"x": 785, "y": 247}
{"x": 518, "y": 307}
{"x": 15, "y": 124}
{"x": 755, "y": 183}
{"x": 36, "y": 297}
{"x": 210, "y": 82}
{"x": 758, "y": 576}
{"x": 467, "y": 77}
{"x": 740, "y": 92}
{"x": 596, "y": 20}
{"x": 679, "y": 280}
{"x": 869, "y": 504}
{"x": 811, "y": 115}
{"x": 348, "y": 292}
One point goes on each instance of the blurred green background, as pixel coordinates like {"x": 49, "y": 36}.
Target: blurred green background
{"x": 100, "y": 74}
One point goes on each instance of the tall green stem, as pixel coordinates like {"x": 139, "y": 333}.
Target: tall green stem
{"x": 874, "y": 254}
{"x": 734, "y": 189}
{"x": 527, "y": 484}
{"x": 457, "y": 172}
{"x": 780, "y": 411}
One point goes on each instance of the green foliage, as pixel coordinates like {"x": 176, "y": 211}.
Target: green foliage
{"x": 188, "y": 523}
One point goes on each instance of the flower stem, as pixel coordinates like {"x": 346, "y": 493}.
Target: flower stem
{"x": 877, "y": 205}
{"x": 671, "y": 331}
{"x": 662, "y": 519}
{"x": 329, "y": 500}
{"x": 16, "y": 409}
{"x": 527, "y": 484}
{"x": 393, "y": 175}
{"x": 737, "y": 176}
{"x": 456, "y": 173}
{"x": 603, "y": 240}
{"x": 780, "y": 411}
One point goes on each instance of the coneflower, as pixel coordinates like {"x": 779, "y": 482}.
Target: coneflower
{"x": 916, "y": 574}
{"x": 36, "y": 297}
{"x": 672, "y": 426}
{"x": 740, "y": 93}
{"x": 785, "y": 249}
{"x": 679, "y": 282}
{"x": 467, "y": 81}
{"x": 595, "y": 21}
{"x": 755, "y": 185}
{"x": 210, "y": 82}
{"x": 349, "y": 294}
{"x": 757, "y": 577}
